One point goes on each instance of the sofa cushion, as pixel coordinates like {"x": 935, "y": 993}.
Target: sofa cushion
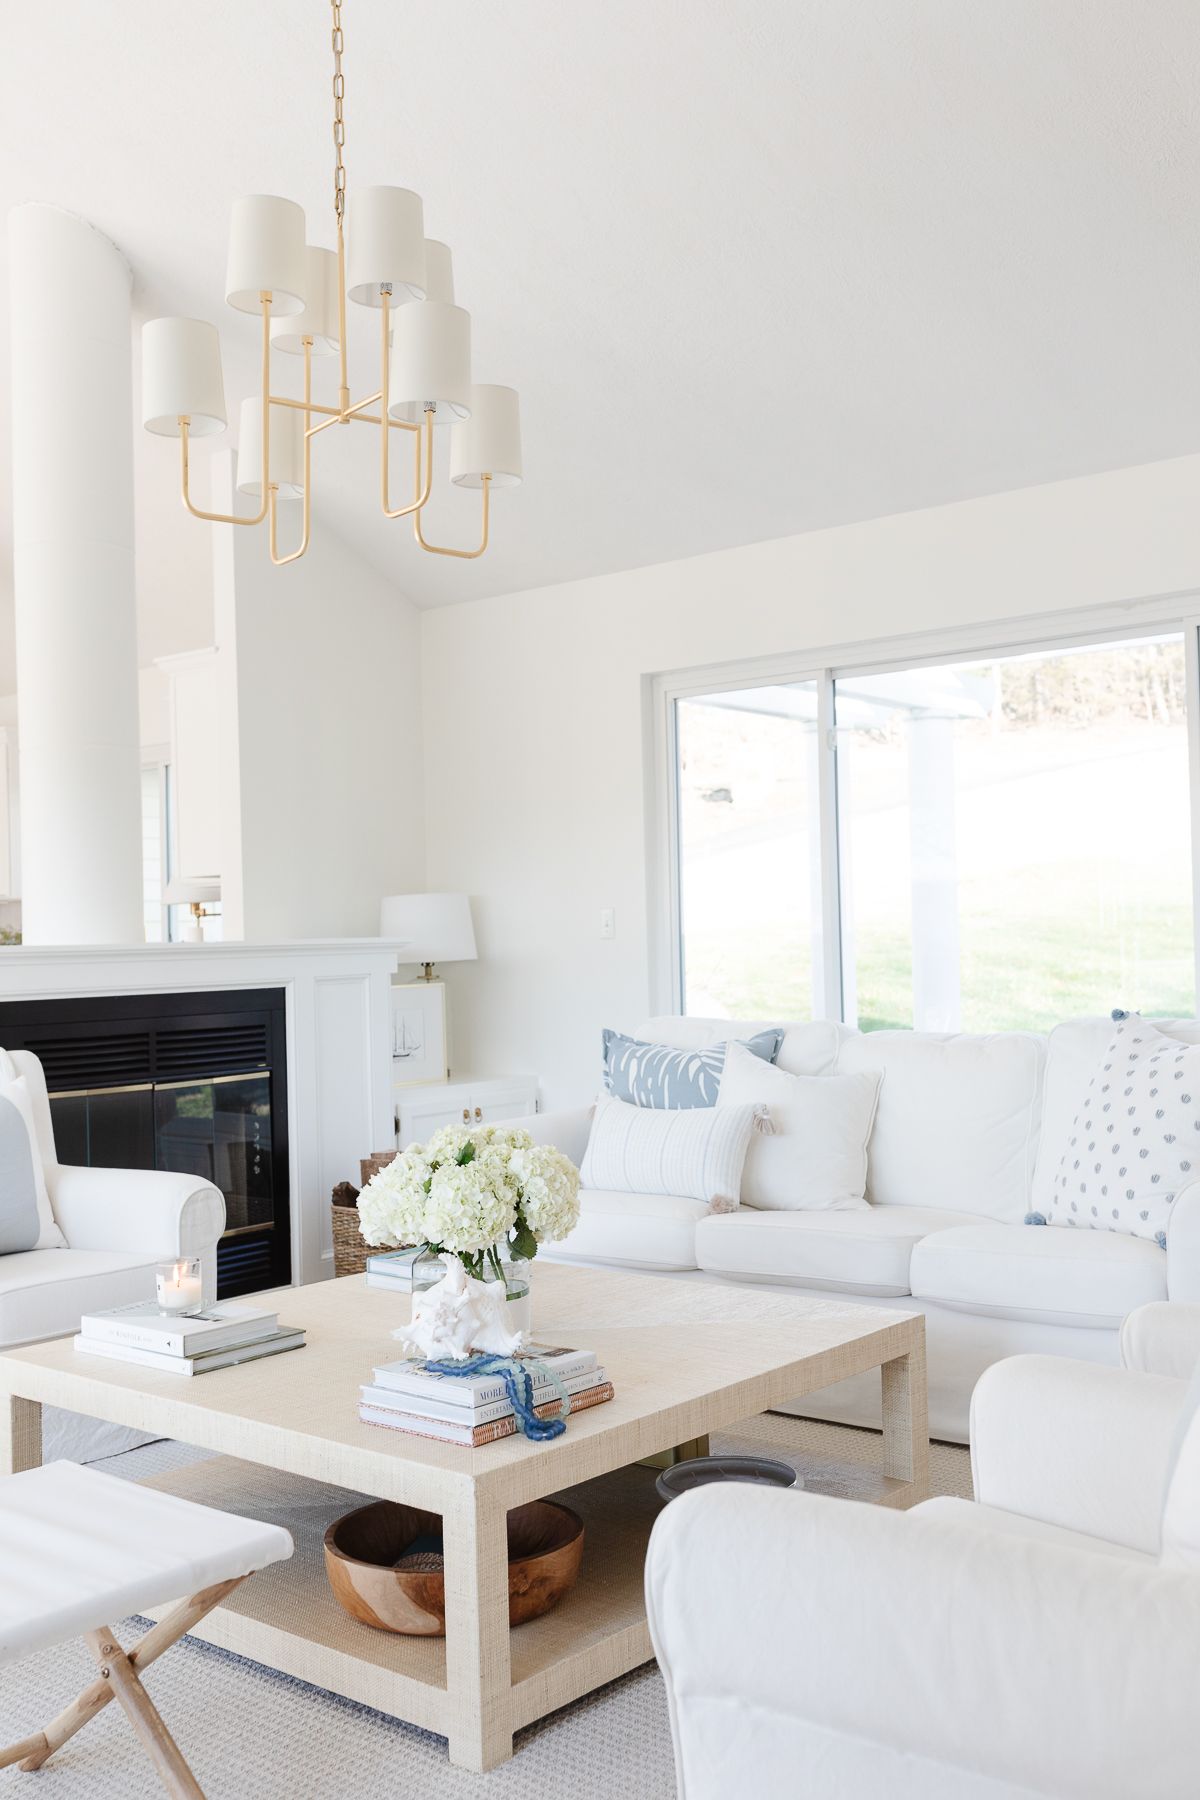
{"x": 1074, "y": 1051}
{"x": 660, "y": 1076}
{"x": 813, "y": 1153}
{"x": 44, "y": 1293}
{"x": 1135, "y": 1138}
{"x": 947, "y": 1510}
{"x": 807, "y": 1049}
{"x": 696, "y": 1152}
{"x": 640, "y": 1231}
{"x": 863, "y": 1252}
{"x": 957, "y": 1121}
{"x": 1055, "y": 1277}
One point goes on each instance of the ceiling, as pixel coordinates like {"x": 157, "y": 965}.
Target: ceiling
{"x": 756, "y": 266}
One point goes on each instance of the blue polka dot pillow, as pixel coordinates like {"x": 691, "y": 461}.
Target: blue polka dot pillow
{"x": 1135, "y": 1141}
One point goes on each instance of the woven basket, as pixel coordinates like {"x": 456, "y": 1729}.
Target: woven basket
{"x": 350, "y": 1250}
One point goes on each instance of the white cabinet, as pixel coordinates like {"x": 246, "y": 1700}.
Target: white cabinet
{"x": 481, "y": 1100}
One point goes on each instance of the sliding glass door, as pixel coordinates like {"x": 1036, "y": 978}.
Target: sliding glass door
{"x": 987, "y": 845}
{"x": 749, "y": 868}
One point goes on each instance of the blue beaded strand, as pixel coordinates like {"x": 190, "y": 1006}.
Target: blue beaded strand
{"x": 518, "y": 1386}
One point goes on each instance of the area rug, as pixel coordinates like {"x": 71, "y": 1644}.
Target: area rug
{"x": 252, "y": 1734}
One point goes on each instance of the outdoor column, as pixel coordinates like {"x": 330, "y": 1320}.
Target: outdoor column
{"x": 936, "y": 997}
{"x": 76, "y": 621}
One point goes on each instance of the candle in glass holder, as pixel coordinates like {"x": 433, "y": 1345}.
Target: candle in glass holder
{"x": 179, "y": 1287}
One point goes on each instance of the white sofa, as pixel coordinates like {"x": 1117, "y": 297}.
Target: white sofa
{"x": 1040, "y": 1642}
{"x": 968, "y": 1133}
{"x": 118, "y": 1224}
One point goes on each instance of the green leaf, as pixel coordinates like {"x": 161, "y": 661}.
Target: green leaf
{"x": 524, "y": 1243}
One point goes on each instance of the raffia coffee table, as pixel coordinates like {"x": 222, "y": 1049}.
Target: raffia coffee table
{"x": 686, "y": 1358}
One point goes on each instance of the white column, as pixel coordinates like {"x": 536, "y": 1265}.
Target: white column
{"x": 936, "y": 997}
{"x": 76, "y": 620}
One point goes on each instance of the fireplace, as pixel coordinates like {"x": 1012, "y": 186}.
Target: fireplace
{"x": 194, "y": 1082}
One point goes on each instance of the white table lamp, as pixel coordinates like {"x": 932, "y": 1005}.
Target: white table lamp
{"x": 197, "y": 892}
{"x": 437, "y": 927}
{"x": 432, "y": 928}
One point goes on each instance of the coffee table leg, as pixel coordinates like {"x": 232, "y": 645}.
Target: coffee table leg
{"x": 20, "y": 1434}
{"x": 906, "y": 1420}
{"x": 478, "y": 1666}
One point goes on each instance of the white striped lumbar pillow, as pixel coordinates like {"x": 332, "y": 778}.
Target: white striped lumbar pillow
{"x": 695, "y": 1153}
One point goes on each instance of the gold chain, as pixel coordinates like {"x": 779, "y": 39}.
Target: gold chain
{"x": 339, "y": 123}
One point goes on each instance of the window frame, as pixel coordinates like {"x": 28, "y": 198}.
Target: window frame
{"x": 1043, "y": 634}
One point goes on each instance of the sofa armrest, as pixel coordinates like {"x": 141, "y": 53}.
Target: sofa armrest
{"x": 1162, "y": 1338}
{"x": 810, "y": 1645}
{"x": 150, "y": 1212}
{"x": 1075, "y": 1444}
{"x": 566, "y": 1131}
{"x": 1183, "y": 1245}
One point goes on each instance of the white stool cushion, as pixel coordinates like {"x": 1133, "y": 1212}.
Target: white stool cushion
{"x": 1055, "y": 1277}
{"x": 79, "y": 1549}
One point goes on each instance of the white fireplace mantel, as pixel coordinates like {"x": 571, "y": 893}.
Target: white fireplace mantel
{"x": 339, "y": 1100}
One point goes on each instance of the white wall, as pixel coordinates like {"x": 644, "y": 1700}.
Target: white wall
{"x": 534, "y": 709}
{"x": 319, "y": 735}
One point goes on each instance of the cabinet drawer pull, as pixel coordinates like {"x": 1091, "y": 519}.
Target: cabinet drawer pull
{"x": 466, "y": 1115}
{"x": 479, "y": 1112}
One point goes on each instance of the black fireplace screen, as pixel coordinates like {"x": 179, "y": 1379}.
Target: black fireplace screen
{"x": 176, "y": 1081}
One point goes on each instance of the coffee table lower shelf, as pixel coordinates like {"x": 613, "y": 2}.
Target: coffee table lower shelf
{"x": 286, "y": 1617}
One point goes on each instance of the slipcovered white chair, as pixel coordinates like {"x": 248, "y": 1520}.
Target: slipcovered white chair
{"x": 118, "y": 1223}
{"x": 1041, "y": 1641}
{"x": 78, "y": 1548}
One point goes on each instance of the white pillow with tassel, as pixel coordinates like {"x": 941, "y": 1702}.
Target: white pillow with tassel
{"x": 694, "y": 1153}
{"x": 814, "y": 1158}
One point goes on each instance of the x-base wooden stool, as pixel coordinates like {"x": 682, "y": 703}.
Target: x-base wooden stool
{"x": 78, "y": 1547}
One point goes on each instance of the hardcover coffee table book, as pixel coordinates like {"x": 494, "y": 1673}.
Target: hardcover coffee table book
{"x": 683, "y": 1359}
{"x": 216, "y": 1338}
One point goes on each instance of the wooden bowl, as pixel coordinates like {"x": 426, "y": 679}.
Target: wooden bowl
{"x": 545, "y": 1544}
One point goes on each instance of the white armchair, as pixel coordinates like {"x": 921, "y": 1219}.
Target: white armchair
{"x": 1038, "y": 1642}
{"x": 118, "y": 1224}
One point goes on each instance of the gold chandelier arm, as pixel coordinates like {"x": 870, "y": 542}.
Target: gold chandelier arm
{"x": 295, "y": 555}
{"x": 444, "y": 550}
{"x": 216, "y": 518}
{"x": 422, "y": 491}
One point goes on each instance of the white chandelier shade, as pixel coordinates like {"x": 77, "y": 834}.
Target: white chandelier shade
{"x": 266, "y": 255}
{"x": 181, "y": 375}
{"x": 431, "y": 361}
{"x": 488, "y": 444}
{"x": 319, "y": 319}
{"x": 287, "y": 451}
{"x": 385, "y": 245}
{"x": 439, "y": 271}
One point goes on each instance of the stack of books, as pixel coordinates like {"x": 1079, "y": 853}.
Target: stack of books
{"x": 393, "y": 1269}
{"x": 216, "y": 1338}
{"x": 475, "y": 1410}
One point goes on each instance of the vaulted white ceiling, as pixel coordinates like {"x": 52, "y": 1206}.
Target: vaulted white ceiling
{"x": 756, "y": 266}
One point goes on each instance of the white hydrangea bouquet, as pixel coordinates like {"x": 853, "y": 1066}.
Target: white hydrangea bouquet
{"x": 478, "y": 1195}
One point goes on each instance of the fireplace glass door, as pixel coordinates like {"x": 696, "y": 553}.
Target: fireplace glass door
{"x": 220, "y": 1128}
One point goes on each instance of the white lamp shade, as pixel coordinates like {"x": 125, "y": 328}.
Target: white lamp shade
{"x": 385, "y": 242}
{"x": 431, "y": 360}
{"x": 319, "y": 319}
{"x": 439, "y": 271}
{"x": 489, "y": 442}
{"x": 189, "y": 890}
{"x": 433, "y": 927}
{"x": 181, "y": 375}
{"x": 287, "y": 450}
{"x": 266, "y": 255}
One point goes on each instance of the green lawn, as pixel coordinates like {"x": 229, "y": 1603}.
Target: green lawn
{"x": 1024, "y": 964}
